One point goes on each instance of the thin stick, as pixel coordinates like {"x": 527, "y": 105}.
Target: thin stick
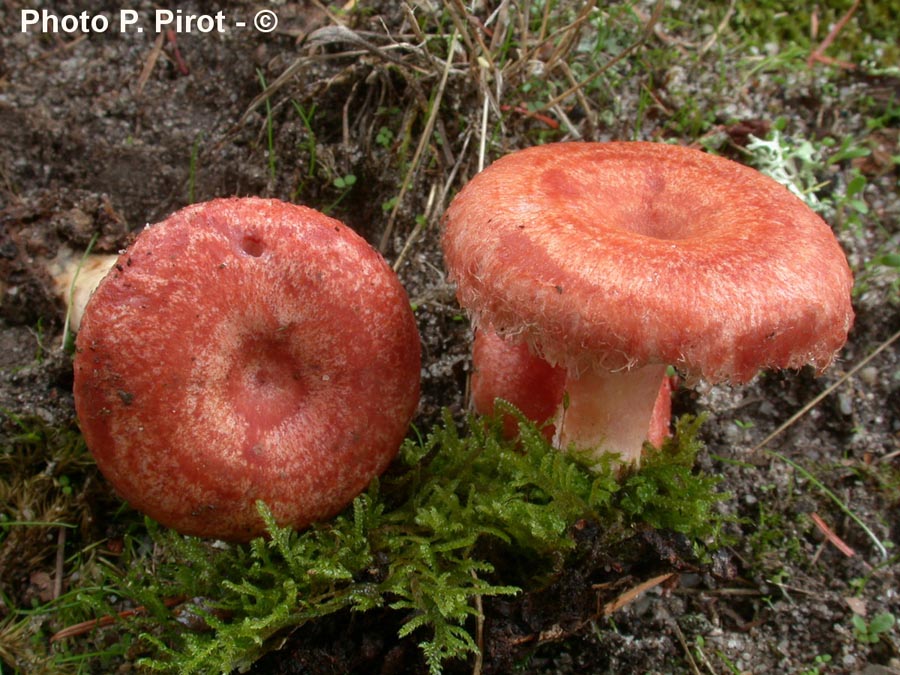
{"x": 711, "y": 40}
{"x": 150, "y": 63}
{"x": 683, "y": 641}
{"x": 819, "y": 53}
{"x": 479, "y": 631}
{"x": 180, "y": 63}
{"x": 631, "y": 594}
{"x": 60, "y": 562}
{"x": 486, "y": 53}
{"x": 837, "y": 500}
{"x": 830, "y": 535}
{"x": 107, "y": 620}
{"x": 424, "y": 140}
{"x": 569, "y": 36}
{"x": 482, "y": 142}
{"x": 813, "y": 403}
{"x": 420, "y": 225}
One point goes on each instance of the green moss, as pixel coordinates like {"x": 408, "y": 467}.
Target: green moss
{"x": 424, "y": 542}
{"x": 46, "y": 476}
{"x": 42, "y": 472}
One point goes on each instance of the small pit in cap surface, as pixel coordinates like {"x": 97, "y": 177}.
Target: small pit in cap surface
{"x": 205, "y": 381}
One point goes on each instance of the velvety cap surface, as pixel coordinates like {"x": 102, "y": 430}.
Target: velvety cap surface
{"x": 243, "y": 350}
{"x": 612, "y": 255}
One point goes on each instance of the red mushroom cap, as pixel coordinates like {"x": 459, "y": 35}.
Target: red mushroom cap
{"x": 616, "y": 255}
{"x": 509, "y": 370}
{"x": 244, "y": 350}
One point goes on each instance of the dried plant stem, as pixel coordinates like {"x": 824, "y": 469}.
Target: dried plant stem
{"x": 482, "y": 140}
{"x": 60, "y": 563}
{"x": 819, "y": 53}
{"x": 711, "y": 40}
{"x": 805, "y": 409}
{"x": 830, "y": 535}
{"x": 424, "y": 140}
{"x": 837, "y": 500}
{"x": 150, "y": 63}
{"x": 647, "y": 32}
{"x": 814, "y": 402}
{"x": 420, "y": 224}
{"x": 67, "y": 331}
{"x": 479, "y": 631}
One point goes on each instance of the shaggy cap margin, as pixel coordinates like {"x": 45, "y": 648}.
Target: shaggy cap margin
{"x": 617, "y": 255}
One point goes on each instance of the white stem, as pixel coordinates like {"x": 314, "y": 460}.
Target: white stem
{"x": 605, "y": 412}
{"x": 75, "y": 277}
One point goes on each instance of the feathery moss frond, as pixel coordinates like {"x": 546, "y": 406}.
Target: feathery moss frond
{"x": 424, "y": 541}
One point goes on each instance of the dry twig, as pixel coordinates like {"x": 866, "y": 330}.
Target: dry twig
{"x": 839, "y": 543}
{"x": 818, "y": 53}
{"x": 424, "y": 140}
{"x": 633, "y": 593}
{"x": 814, "y": 402}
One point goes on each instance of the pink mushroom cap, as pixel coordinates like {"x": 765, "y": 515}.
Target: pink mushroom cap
{"x": 616, "y": 255}
{"x": 244, "y": 350}
{"x": 612, "y": 261}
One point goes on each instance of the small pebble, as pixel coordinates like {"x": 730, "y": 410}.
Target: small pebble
{"x": 845, "y": 403}
{"x": 869, "y": 375}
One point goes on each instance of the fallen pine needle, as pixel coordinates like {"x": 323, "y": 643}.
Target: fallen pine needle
{"x": 812, "y": 404}
{"x": 632, "y": 594}
{"x": 839, "y": 543}
{"x": 150, "y": 63}
{"x": 109, "y": 619}
{"x": 819, "y": 53}
{"x": 522, "y": 110}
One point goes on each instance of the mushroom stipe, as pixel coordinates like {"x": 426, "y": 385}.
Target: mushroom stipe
{"x": 245, "y": 350}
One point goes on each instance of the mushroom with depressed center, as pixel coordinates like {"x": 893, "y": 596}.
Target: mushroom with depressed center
{"x": 244, "y": 350}
{"x": 611, "y": 261}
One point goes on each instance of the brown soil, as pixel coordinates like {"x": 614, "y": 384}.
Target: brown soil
{"x": 104, "y": 133}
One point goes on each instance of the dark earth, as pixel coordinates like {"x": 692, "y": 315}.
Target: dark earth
{"x": 105, "y": 132}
